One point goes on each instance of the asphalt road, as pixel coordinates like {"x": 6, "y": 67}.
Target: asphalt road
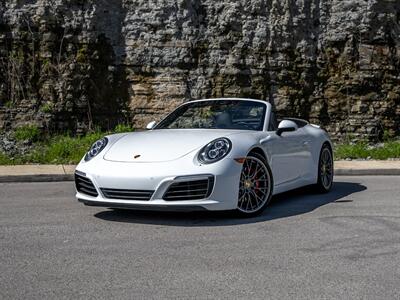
{"x": 343, "y": 245}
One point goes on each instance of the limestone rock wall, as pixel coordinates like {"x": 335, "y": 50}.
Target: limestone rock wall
{"x": 76, "y": 64}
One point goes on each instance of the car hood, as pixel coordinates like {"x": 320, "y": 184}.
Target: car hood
{"x": 162, "y": 145}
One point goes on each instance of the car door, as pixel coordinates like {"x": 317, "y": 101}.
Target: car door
{"x": 285, "y": 156}
{"x": 304, "y": 154}
{"x": 289, "y": 152}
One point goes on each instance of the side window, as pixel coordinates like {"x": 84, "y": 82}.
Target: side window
{"x": 273, "y": 122}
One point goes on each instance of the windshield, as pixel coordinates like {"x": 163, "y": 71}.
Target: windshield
{"x": 217, "y": 114}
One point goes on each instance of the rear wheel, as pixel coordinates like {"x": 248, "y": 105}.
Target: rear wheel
{"x": 255, "y": 187}
{"x": 325, "y": 169}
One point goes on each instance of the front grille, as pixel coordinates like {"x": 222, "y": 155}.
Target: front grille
{"x": 85, "y": 186}
{"x": 190, "y": 190}
{"x": 140, "y": 195}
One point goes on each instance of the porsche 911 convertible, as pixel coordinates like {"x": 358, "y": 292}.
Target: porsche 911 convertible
{"x": 212, "y": 154}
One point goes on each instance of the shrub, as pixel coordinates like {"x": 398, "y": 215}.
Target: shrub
{"x": 47, "y": 108}
{"x": 4, "y": 159}
{"x": 29, "y": 132}
{"x": 120, "y": 128}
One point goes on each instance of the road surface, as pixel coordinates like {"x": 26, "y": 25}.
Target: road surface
{"x": 342, "y": 245}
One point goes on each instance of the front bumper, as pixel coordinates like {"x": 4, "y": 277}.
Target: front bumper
{"x": 158, "y": 177}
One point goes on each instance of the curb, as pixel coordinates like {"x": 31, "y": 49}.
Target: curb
{"x": 70, "y": 177}
{"x": 366, "y": 172}
{"x": 37, "y": 178}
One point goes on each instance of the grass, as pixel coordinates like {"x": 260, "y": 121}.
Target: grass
{"x": 59, "y": 149}
{"x": 389, "y": 149}
{"x": 6, "y": 160}
{"x": 62, "y": 149}
{"x": 67, "y": 149}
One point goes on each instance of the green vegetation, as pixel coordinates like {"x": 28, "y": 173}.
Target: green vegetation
{"x": 62, "y": 149}
{"x": 389, "y": 149}
{"x": 59, "y": 149}
{"x": 47, "y": 107}
{"x": 29, "y": 132}
{"x": 120, "y": 128}
{"x": 82, "y": 55}
{"x": 6, "y": 160}
{"x": 8, "y": 104}
{"x": 67, "y": 149}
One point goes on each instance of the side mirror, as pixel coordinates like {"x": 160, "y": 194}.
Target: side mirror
{"x": 286, "y": 126}
{"x": 151, "y": 125}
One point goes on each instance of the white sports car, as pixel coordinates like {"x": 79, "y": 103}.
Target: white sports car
{"x": 213, "y": 154}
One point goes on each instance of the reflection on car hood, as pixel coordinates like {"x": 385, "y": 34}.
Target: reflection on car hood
{"x": 163, "y": 144}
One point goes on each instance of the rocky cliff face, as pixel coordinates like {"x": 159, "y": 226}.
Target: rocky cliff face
{"x": 76, "y": 64}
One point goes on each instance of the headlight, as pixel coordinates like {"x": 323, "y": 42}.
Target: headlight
{"x": 96, "y": 148}
{"x": 215, "y": 150}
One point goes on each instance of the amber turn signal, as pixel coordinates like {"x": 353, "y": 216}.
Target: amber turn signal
{"x": 240, "y": 160}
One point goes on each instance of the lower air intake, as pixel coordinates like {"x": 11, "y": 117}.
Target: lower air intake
{"x": 139, "y": 195}
{"x": 190, "y": 189}
{"x": 85, "y": 186}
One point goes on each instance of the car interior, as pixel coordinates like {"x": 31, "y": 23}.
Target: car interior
{"x": 274, "y": 122}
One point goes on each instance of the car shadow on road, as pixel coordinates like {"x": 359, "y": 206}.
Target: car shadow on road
{"x": 293, "y": 203}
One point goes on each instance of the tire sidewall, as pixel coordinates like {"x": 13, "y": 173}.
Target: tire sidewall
{"x": 320, "y": 185}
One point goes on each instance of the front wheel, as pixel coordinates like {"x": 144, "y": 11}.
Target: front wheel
{"x": 255, "y": 187}
{"x": 325, "y": 170}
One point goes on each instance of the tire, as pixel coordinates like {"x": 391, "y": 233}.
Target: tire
{"x": 325, "y": 170}
{"x": 255, "y": 186}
